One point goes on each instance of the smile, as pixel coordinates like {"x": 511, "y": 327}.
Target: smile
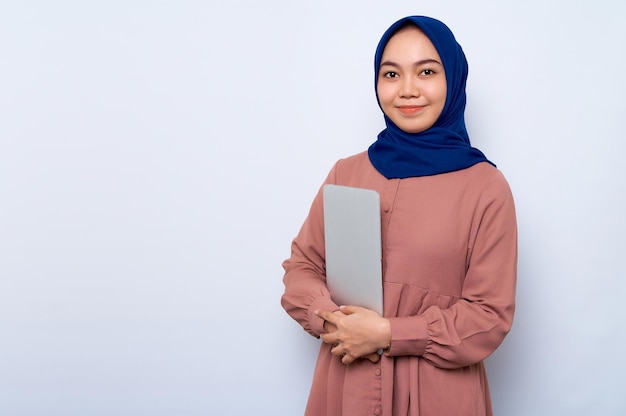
{"x": 410, "y": 109}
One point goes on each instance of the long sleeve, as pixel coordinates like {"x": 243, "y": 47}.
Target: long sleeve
{"x": 476, "y": 322}
{"x": 305, "y": 271}
{"x": 449, "y": 277}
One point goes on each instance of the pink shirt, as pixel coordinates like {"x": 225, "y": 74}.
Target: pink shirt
{"x": 449, "y": 275}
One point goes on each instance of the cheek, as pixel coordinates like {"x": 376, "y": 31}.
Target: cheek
{"x": 440, "y": 92}
{"x": 385, "y": 94}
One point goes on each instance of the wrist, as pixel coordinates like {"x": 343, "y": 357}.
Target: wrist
{"x": 386, "y": 346}
{"x": 385, "y": 349}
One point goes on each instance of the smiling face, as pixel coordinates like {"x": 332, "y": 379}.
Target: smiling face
{"x": 411, "y": 83}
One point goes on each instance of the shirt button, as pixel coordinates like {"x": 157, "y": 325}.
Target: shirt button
{"x": 377, "y": 372}
{"x": 378, "y": 411}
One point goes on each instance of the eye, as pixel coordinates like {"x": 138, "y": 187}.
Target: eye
{"x": 390, "y": 74}
{"x": 427, "y": 72}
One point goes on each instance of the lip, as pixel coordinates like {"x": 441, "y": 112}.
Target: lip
{"x": 410, "y": 109}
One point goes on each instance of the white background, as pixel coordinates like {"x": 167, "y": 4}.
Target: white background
{"x": 157, "y": 158}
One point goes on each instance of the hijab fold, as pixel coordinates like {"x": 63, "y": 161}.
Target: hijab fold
{"x": 444, "y": 147}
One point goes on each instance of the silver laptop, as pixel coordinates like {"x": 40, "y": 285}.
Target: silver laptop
{"x": 353, "y": 246}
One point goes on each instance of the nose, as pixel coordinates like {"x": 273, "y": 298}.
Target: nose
{"x": 409, "y": 88}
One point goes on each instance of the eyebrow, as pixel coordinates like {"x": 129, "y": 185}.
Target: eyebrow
{"x": 418, "y": 63}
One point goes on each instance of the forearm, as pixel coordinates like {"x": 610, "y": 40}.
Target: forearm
{"x": 455, "y": 337}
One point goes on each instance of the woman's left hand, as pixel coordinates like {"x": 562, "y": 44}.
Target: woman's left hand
{"x": 359, "y": 332}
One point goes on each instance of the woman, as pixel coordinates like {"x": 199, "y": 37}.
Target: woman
{"x": 449, "y": 249}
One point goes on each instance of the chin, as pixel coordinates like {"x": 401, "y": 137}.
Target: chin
{"x": 413, "y": 130}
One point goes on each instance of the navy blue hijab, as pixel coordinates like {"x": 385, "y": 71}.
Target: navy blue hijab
{"x": 444, "y": 147}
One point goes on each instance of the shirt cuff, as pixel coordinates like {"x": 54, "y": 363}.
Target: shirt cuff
{"x": 320, "y": 304}
{"x": 409, "y": 335}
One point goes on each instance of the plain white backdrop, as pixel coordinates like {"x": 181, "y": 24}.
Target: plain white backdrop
{"x": 157, "y": 158}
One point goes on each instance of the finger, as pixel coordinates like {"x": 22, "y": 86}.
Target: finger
{"x": 351, "y": 309}
{"x": 373, "y": 357}
{"x": 348, "y": 309}
{"x": 348, "y": 359}
{"x": 329, "y": 328}
{"x": 337, "y": 350}
{"x": 327, "y": 316}
{"x": 329, "y": 338}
